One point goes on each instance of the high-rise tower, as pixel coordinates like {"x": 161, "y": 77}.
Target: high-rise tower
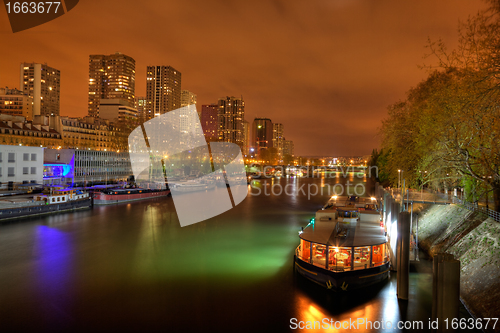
{"x": 163, "y": 89}
{"x": 42, "y": 84}
{"x": 262, "y": 134}
{"x": 111, "y": 77}
{"x": 230, "y": 118}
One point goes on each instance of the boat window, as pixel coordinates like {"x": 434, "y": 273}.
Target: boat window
{"x": 319, "y": 255}
{"x": 379, "y": 255}
{"x": 305, "y": 250}
{"x": 361, "y": 257}
{"x": 339, "y": 258}
{"x": 348, "y": 214}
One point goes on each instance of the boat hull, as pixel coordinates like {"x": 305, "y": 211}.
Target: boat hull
{"x": 22, "y": 212}
{"x": 342, "y": 281}
{"x": 110, "y": 199}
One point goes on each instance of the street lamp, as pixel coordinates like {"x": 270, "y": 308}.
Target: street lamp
{"x": 399, "y": 178}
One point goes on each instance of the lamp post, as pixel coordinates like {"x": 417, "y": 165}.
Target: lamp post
{"x": 399, "y": 179}
{"x": 403, "y": 184}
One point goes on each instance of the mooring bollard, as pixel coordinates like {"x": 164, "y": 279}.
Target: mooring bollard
{"x": 449, "y": 284}
{"x": 403, "y": 256}
{"x": 445, "y": 290}
{"x": 436, "y": 260}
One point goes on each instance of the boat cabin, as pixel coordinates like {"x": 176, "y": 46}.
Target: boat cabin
{"x": 336, "y": 246}
{"x": 351, "y": 201}
{"x": 61, "y": 195}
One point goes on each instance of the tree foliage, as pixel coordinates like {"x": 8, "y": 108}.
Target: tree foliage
{"x": 448, "y": 127}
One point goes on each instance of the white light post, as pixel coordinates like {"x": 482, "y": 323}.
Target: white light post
{"x": 399, "y": 179}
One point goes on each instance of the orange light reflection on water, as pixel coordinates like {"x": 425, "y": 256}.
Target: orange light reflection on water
{"x": 314, "y": 318}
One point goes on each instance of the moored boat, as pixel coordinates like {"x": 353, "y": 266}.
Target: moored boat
{"x": 193, "y": 186}
{"x": 52, "y": 201}
{"x": 343, "y": 248}
{"x": 114, "y": 196}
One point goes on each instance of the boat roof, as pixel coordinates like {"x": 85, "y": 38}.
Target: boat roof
{"x": 343, "y": 200}
{"x": 127, "y": 189}
{"x": 347, "y": 208}
{"x": 360, "y": 233}
{"x": 65, "y": 189}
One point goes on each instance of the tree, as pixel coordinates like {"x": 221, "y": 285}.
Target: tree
{"x": 377, "y": 166}
{"x": 470, "y": 140}
{"x": 288, "y": 159}
{"x": 448, "y": 127}
{"x": 273, "y": 155}
{"x": 264, "y": 155}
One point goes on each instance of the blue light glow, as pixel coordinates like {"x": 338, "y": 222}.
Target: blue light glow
{"x": 57, "y": 170}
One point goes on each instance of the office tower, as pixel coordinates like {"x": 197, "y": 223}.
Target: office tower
{"x": 110, "y": 77}
{"x": 42, "y": 83}
{"x": 187, "y": 120}
{"x": 187, "y": 98}
{"x": 278, "y": 139}
{"x": 140, "y": 106}
{"x": 230, "y": 116}
{"x": 209, "y": 122}
{"x": 15, "y": 103}
{"x": 246, "y": 137}
{"x": 288, "y": 148}
{"x": 262, "y": 134}
{"x": 163, "y": 89}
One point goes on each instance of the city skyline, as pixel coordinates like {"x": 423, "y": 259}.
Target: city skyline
{"x": 301, "y": 64}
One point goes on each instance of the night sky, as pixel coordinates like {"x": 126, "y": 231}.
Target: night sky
{"x": 326, "y": 69}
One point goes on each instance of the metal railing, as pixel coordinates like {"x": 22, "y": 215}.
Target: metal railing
{"x": 11, "y": 205}
{"x": 474, "y": 207}
{"x": 424, "y": 196}
{"x": 438, "y": 197}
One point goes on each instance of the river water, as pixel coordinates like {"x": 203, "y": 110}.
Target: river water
{"x": 131, "y": 267}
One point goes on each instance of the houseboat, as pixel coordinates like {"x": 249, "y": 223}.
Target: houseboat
{"x": 195, "y": 186}
{"x": 114, "y": 196}
{"x": 53, "y": 200}
{"x": 343, "y": 248}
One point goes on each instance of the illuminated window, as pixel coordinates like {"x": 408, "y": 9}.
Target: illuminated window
{"x": 361, "y": 257}
{"x": 304, "y": 251}
{"x": 319, "y": 255}
{"x": 379, "y": 256}
{"x": 339, "y": 258}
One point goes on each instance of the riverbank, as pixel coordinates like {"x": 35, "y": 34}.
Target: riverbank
{"x": 473, "y": 239}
